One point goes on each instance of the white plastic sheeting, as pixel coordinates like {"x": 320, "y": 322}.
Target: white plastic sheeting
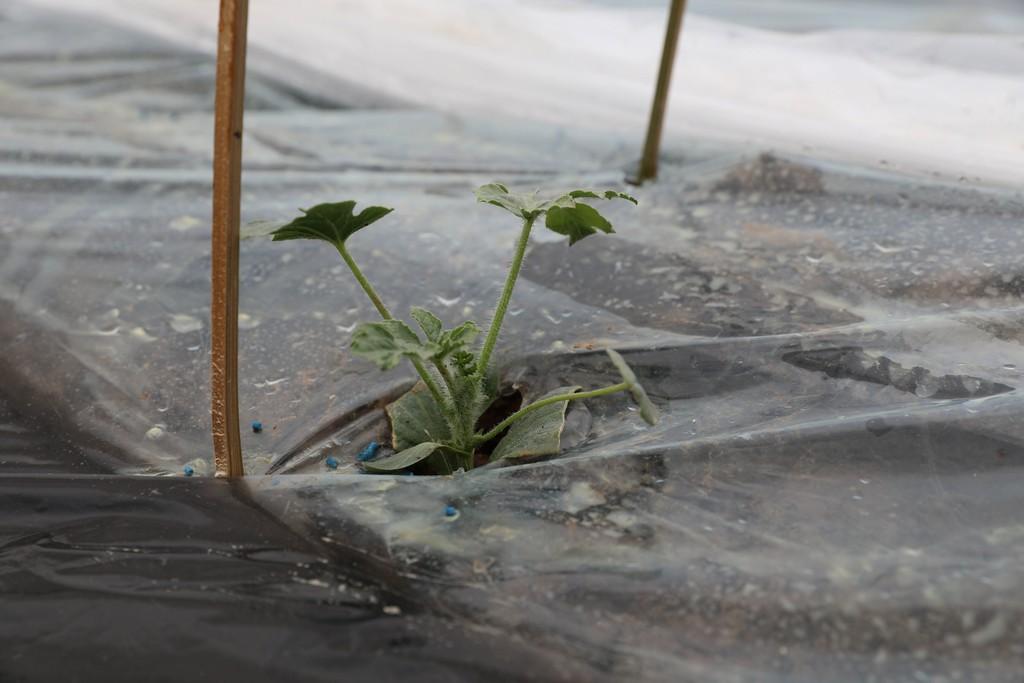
{"x": 946, "y": 104}
{"x": 833, "y": 493}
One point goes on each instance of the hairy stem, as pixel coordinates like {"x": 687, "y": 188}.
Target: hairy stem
{"x": 435, "y": 391}
{"x": 518, "y": 415}
{"x": 445, "y": 375}
{"x": 464, "y": 459}
{"x": 461, "y": 431}
{"x": 506, "y": 296}
{"x": 421, "y": 369}
{"x": 364, "y": 283}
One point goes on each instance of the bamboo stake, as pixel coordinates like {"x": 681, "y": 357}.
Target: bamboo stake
{"x": 227, "y": 174}
{"x": 649, "y": 160}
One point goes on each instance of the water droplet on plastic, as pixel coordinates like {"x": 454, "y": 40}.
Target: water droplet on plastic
{"x": 183, "y": 223}
{"x": 270, "y": 382}
{"x": 247, "y": 322}
{"x": 140, "y": 333}
{"x": 887, "y": 249}
{"x": 550, "y": 318}
{"x": 447, "y": 302}
{"x": 183, "y": 324}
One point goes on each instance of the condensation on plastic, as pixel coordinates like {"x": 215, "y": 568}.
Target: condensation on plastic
{"x": 834, "y": 492}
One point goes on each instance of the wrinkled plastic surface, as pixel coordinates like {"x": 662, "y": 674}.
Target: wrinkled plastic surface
{"x": 936, "y": 92}
{"x": 834, "y": 492}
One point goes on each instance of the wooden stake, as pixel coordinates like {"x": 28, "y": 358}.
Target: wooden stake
{"x": 227, "y": 175}
{"x": 649, "y": 160}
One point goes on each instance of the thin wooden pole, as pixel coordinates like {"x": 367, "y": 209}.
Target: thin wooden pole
{"x": 227, "y": 176}
{"x": 649, "y": 160}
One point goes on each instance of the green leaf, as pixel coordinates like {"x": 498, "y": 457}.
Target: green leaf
{"x": 411, "y": 456}
{"x": 538, "y": 433}
{"x": 577, "y": 222}
{"x": 456, "y": 340}
{"x": 605, "y": 194}
{"x": 449, "y": 342}
{"x": 465, "y": 362}
{"x": 647, "y": 409}
{"x": 416, "y": 418}
{"x": 429, "y": 323}
{"x": 332, "y": 223}
{"x": 523, "y": 205}
{"x": 565, "y": 215}
{"x": 387, "y": 342}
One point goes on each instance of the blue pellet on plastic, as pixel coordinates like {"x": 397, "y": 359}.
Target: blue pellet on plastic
{"x": 189, "y": 470}
{"x": 450, "y": 511}
{"x": 331, "y": 462}
{"x": 368, "y": 453}
{"x": 257, "y": 426}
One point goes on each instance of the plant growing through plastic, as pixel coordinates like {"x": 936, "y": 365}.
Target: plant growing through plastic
{"x": 436, "y": 423}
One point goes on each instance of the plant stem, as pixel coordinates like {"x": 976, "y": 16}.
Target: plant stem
{"x": 421, "y": 369}
{"x": 506, "y": 295}
{"x": 462, "y": 432}
{"x": 445, "y": 375}
{"x": 364, "y": 283}
{"x": 435, "y": 390}
{"x": 465, "y": 457}
{"x": 484, "y": 438}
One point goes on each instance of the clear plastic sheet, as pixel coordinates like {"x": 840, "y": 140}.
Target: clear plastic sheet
{"x": 834, "y": 493}
{"x": 935, "y": 91}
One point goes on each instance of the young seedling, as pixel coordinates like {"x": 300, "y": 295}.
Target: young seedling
{"x": 436, "y": 422}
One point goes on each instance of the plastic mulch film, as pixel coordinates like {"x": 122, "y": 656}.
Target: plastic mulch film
{"x": 834, "y": 491}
